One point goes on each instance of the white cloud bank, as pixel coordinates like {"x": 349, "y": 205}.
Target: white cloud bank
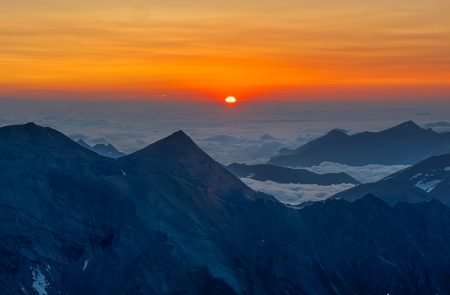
{"x": 293, "y": 194}
{"x": 364, "y": 174}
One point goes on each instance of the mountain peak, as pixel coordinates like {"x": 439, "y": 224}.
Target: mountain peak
{"x": 179, "y": 136}
{"x": 177, "y": 147}
{"x": 31, "y": 124}
{"x": 44, "y": 142}
{"x": 370, "y": 201}
{"x": 176, "y": 144}
{"x": 337, "y": 132}
{"x": 29, "y": 132}
{"x": 408, "y": 125}
{"x": 178, "y": 157}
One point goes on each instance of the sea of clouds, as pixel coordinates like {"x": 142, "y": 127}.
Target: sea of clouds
{"x": 293, "y": 193}
{"x": 364, "y": 174}
{"x": 249, "y": 132}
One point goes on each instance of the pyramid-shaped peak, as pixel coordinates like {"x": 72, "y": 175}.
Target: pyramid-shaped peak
{"x": 179, "y": 136}
{"x": 178, "y": 141}
{"x": 178, "y": 156}
{"x": 176, "y": 144}
{"x": 408, "y": 125}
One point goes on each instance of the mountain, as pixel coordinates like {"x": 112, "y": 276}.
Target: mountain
{"x": 169, "y": 219}
{"x": 405, "y": 144}
{"x": 427, "y": 180}
{"x": 379, "y": 249}
{"x": 161, "y": 220}
{"x": 264, "y": 172}
{"x": 106, "y": 150}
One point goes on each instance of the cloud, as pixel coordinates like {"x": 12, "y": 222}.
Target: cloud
{"x": 250, "y": 133}
{"x": 364, "y": 174}
{"x": 223, "y": 139}
{"x": 241, "y": 149}
{"x": 267, "y": 136}
{"x": 438, "y": 126}
{"x": 294, "y": 194}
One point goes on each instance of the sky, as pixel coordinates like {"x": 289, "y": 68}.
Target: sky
{"x": 199, "y": 49}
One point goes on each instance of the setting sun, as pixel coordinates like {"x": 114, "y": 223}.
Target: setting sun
{"x": 230, "y": 99}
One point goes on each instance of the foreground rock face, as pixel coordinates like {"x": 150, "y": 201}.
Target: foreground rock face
{"x": 169, "y": 219}
{"x": 404, "y": 144}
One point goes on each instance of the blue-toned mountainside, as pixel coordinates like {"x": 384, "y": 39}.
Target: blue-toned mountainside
{"x": 405, "y": 144}
{"x": 427, "y": 180}
{"x": 107, "y": 150}
{"x": 264, "y": 172}
{"x": 168, "y": 219}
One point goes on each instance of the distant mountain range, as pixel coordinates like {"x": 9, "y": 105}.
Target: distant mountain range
{"x": 405, "y": 144}
{"x": 264, "y": 172}
{"x": 169, "y": 219}
{"x": 427, "y": 180}
{"x": 107, "y": 150}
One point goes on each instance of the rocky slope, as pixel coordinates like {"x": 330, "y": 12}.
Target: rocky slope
{"x": 169, "y": 219}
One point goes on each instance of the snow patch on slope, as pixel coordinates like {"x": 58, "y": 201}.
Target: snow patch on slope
{"x": 40, "y": 283}
{"x": 427, "y": 185}
{"x": 416, "y": 176}
{"x": 85, "y": 264}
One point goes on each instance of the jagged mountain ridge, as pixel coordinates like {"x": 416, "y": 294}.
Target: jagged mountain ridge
{"x": 404, "y": 144}
{"x": 155, "y": 222}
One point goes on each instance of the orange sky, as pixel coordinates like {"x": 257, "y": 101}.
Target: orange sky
{"x": 188, "y": 49}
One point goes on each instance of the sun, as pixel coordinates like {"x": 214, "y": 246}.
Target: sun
{"x": 230, "y": 99}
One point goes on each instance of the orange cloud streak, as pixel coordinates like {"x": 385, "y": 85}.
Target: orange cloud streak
{"x": 153, "y": 50}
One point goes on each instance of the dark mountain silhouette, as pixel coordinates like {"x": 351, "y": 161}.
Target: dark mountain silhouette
{"x": 406, "y": 143}
{"x": 263, "y": 172}
{"x": 168, "y": 219}
{"x": 427, "y": 180}
{"x": 107, "y": 150}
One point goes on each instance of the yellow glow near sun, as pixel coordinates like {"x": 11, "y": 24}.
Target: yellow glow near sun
{"x": 230, "y": 99}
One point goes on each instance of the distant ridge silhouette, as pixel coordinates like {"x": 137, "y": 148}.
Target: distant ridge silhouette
{"x": 405, "y": 144}
{"x": 264, "y": 172}
{"x": 107, "y": 150}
